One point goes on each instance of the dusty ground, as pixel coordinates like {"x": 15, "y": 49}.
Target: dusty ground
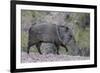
{"x": 36, "y": 57}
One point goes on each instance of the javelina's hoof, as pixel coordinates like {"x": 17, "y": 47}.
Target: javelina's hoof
{"x": 27, "y": 52}
{"x": 40, "y": 53}
{"x": 58, "y": 53}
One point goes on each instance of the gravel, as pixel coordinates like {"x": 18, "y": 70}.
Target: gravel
{"x": 36, "y": 57}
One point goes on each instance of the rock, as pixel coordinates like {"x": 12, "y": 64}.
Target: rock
{"x": 85, "y": 52}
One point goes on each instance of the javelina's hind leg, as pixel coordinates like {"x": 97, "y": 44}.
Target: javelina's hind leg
{"x": 28, "y": 48}
{"x": 38, "y": 47}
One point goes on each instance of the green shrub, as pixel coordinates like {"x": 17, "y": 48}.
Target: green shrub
{"x": 24, "y": 40}
{"x": 82, "y": 37}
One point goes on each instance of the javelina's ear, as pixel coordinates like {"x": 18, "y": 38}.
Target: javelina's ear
{"x": 64, "y": 27}
{"x": 33, "y": 23}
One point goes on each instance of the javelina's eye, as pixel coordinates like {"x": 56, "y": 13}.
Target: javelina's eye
{"x": 70, "y": 36}
{"x": 66, "y": 29}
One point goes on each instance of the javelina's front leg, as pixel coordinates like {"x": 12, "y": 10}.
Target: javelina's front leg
{"x": 65, "y": 47}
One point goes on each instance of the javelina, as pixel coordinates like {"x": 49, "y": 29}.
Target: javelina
{"x": 59, "y": 35}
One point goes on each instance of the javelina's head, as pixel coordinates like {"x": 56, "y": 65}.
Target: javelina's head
{"x": 67, "y": 38}
{"x": 65, "y": 35}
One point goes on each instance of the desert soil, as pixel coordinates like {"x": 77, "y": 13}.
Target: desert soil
{"x": 36, "y": 57}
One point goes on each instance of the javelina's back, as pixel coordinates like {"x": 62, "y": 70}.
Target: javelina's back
{"x": 43, "y": 32}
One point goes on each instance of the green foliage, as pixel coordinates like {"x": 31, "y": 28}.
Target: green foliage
{"x": 24, "y": 40}
{"x": 81, "y": 29}
{"x": 82, "y": 37}
{"x": 80, "y": 25}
